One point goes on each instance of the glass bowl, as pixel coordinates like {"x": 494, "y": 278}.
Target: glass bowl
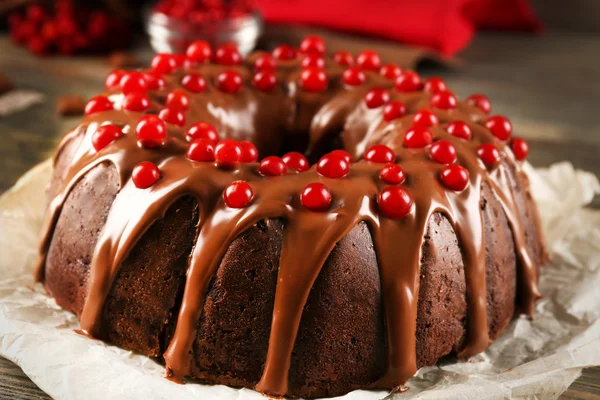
{"x": 170, "y": 35}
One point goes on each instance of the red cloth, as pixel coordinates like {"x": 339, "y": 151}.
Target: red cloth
{"x": 443, "y": 25}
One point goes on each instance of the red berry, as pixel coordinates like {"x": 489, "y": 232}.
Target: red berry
{"x": 520, "y": 148}
{"x": 443, "y": 100}
{"x": 136, "y": 101}
{"x": 178, "y": 99}
{"x": 459, "y": 129}
{"x": 265, "y": 81}
{"x": 201, "y": 150}
{"x": 390, "y": 71}
{"x": 154, "y": 81}
{"x": 202, "y": 130}
{"x": 417, "y": 137}
{"x": 265, "y": 62}
{"x": 295, "y": 160}
{"x": 499, "y": 126}
{"x": 145, "y": 174}
{"x": 434, "y": 85}
{"x": 408, "y": 81}
{"x": 354, "y": 76}
{"x": 314, "y": 61}
{"x": 238, "y": 194}
{"x": 425, "y": 118}
{"x": 380, "y": 153}
{"x": 342, "y": 153}
{"x": 369, "y": 60}
{"x": 480, "y": 101}
{"x": 333, "y": 166}
{"x": 315, "y": 197}
{"x": 37, "y": 46}
{"x": 284, "y": 52}
{"x": 392, "y": 174}
{"x": 393, "y": 110}
{"x": 343, "y": 58}
{"x": 249, "y": 152}
{"x": 151, "y": 131}
{"x": 395, "y": 202}
{"x": 228, "y": 54}
{"x": 133, "y": 81}
{"x": 49, "y": 31}
{"x": 489, "y": 154}
{"x": 35, "y": 13}
{"x": 105, "y": 135}
{"x": 227, "y": 153}
{"x": 313, "y": 79}
{"x": 172, "y": 116}
{"x": 194, "y": 82}
{"x": 98, "y": 104}
{"x": 163, "y": 63}
{"x": 376, "y": 97}
{"x": 272, "y": 166}
{"x": 455, "y": 177}
{"x": 313, "y": 44}
{"x": 199, "y": 52}
{"x": 443, "y": 152}
{"x": 229, "y": 81}
{"x": 114, "y": 78}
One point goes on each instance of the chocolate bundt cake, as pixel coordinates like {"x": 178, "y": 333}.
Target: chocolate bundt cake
{"x": 411, "y": 236}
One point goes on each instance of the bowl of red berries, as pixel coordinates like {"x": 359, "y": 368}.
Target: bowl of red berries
{"x": 173, "y": 24}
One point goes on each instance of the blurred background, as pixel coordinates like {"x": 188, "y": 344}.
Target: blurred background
{"x": 538, "y": 61}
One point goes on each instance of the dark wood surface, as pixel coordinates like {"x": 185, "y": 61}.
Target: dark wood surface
{"x": 549, "y": 86}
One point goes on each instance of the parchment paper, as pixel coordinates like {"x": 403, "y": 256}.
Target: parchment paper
{"x": 533, "y": 359}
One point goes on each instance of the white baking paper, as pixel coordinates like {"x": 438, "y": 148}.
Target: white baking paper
{"x": 535, "y": 359}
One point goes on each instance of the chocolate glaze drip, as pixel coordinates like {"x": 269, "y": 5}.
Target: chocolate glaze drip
{"x": 290, "y": 118}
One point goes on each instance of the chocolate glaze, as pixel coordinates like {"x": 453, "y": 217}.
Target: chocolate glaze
{"x": 290, "y": 118}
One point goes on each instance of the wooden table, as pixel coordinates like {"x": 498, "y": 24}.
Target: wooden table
{"x": 549, "y": 86}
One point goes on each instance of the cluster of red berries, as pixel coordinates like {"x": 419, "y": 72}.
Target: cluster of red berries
{"x": 206, "y": 146}
{"x": 66, "y": 29}
{"x": 199, "y": 12}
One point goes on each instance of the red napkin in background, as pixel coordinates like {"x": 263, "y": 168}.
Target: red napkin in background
{"x": 443, "y": 25}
